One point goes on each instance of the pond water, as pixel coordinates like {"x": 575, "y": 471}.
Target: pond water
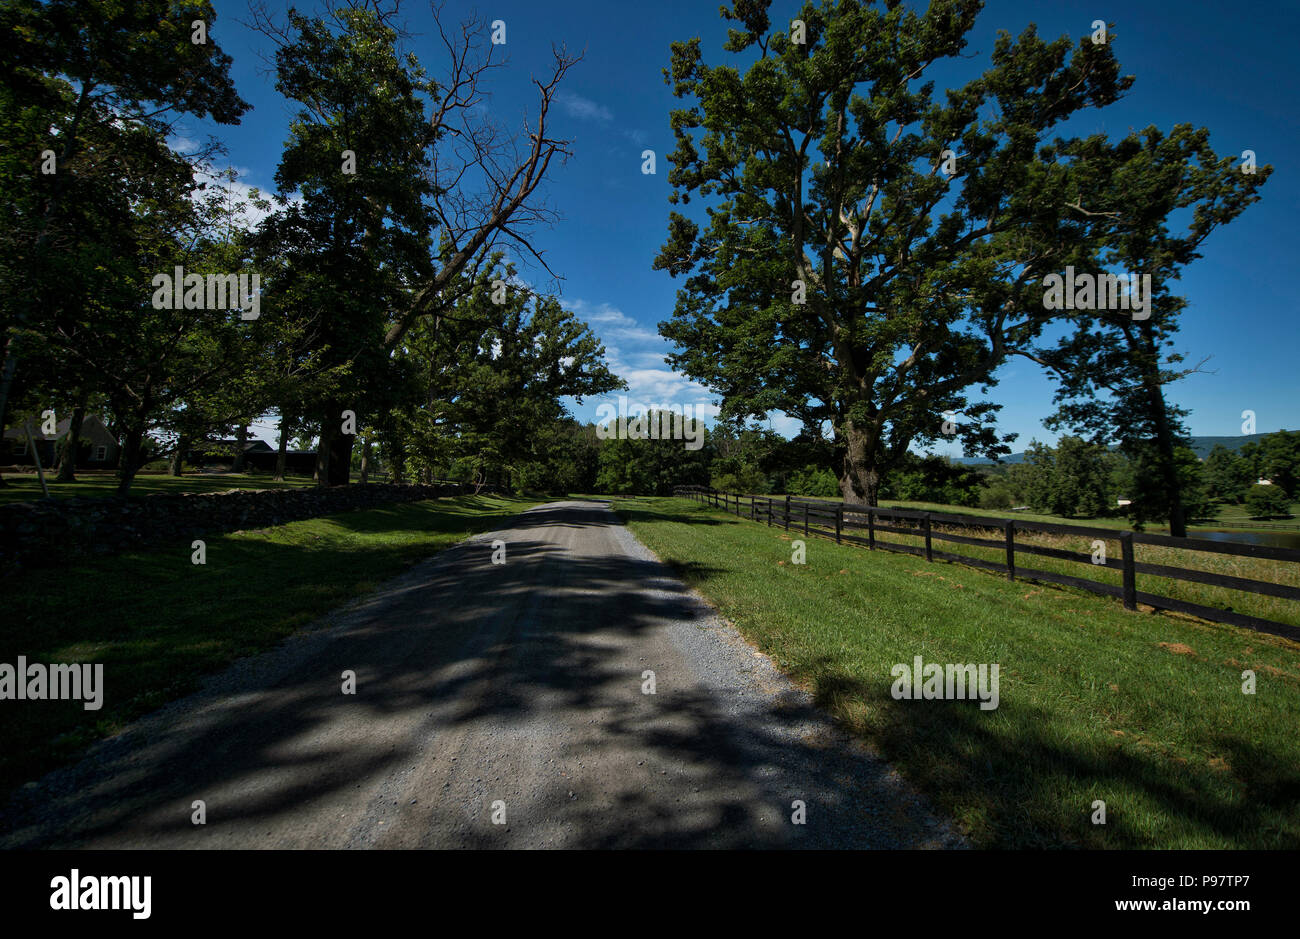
{"x": 1278, "y": 539}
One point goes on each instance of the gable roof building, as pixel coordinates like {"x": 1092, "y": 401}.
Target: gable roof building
{"x": 98, "y": 448}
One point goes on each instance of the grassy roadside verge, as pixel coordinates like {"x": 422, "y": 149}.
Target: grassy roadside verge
{"x": 1143, "y": 711}
{"x": 158, "y": 623}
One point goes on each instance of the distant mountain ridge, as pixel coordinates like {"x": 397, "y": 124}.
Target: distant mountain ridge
{"x": 1201, "y": 446}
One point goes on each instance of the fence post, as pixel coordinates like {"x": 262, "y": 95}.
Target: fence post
{"x": 805, "y": 519}
{"x": 1130, "y": 573}
{"x": 929, "y": 556}
{"x": 787, "y": 513}
{"x": 871, "y": 528}
{"x": 839, "y": 522}
{"x": 1011, "y": 548}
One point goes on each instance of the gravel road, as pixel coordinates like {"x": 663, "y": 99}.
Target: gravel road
{"x": 487, "y": 690}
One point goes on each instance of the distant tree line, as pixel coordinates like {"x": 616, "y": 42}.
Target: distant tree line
{"x": 1074, "y": 479}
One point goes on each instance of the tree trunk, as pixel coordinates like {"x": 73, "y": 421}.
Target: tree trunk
{"x": 365, "y": 462}
{"x": 72, "y": 443}
{"x": 241, "y": 439}
{"x": 178, "y": 458}
{"x": 327, "y": 431}
{"x": 281, "y": 456}
{"x": 397, "y": 462}
{"x": 1164, "y": 437}
{"x": 6, "y": 380}
{"x": 1168, "y": 466}
{"x": 340, "y": 466}
{"x": 334, "y": 455}
{"x": 129, "y": 463}
{"x": 860, "y": 472}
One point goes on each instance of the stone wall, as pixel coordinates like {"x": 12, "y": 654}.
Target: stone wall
{"x": 50, "y": 531}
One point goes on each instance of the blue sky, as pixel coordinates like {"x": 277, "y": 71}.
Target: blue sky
{"x": 1194, "y": 61}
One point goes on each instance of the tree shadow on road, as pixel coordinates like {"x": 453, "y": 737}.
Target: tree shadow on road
{"x": 461, "y": 649}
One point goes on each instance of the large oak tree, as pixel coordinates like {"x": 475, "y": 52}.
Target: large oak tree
{"x": 872, "y": 249}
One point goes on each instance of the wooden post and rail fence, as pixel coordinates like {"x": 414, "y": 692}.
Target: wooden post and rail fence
{"x": 836, "y": 520}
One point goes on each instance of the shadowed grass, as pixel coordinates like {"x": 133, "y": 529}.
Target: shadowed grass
{"x": 1143, "y": 711}
{"x": 158, "y": 622}
{"x": 26, "y": 487}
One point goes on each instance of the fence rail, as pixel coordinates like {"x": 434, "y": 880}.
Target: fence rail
{"x": 836, "y": 520}
{"x": 1264, "y": 525}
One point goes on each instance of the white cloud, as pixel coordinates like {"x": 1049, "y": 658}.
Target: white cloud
{"x": 637, "y": 354}
{"x": 584, "y": 109}
{"x": 663, "y": 385}
{"x": 784, "y": 425}
{"x": 645, "y": 359}
{"x": 614, "y": 326}
{"x": 251, "y": 216}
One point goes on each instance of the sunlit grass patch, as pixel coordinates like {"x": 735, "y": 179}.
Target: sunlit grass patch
{"x": 1142, "y": 711}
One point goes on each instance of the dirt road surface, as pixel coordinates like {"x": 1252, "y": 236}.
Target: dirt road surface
{"x": 491, "y": 693}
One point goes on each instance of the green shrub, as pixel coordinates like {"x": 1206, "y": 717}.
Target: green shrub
{"x": 1267, "y": 500}
{"x": 995, "y": 497}
{"x": 815, "y": 481}
{"x": 744, "y": 478}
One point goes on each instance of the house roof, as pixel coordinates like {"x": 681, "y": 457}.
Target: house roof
{"x": 232, "y": 444}
{"x": 92, "y": 431}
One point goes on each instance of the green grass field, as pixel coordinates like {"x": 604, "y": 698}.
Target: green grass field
{"x": 1143, "y": 711}
{"x": 158, "y": 623}
{"x": 1237, "y": 515}
{"x": 25, "y": 486}
{"x": 1269, "y": 571}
